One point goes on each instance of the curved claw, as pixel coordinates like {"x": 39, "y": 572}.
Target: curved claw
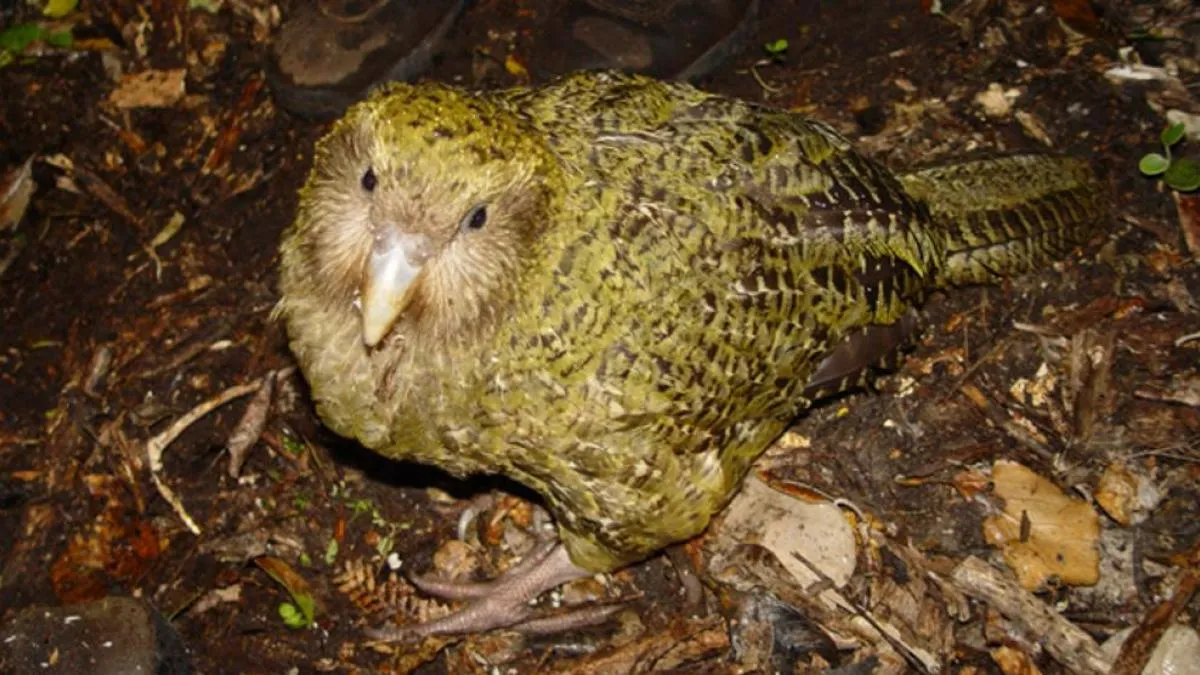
{"x": 471, "y": 590}
{"x": 504, "y": 603}
{"x": 571, "y": 619}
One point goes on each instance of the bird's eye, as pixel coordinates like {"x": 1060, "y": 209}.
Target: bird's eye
{"x": 369, "y": 181}
{"x": 476, "y": 218}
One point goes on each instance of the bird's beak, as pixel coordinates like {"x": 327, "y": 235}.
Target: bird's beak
{"x": 395, "y": 261}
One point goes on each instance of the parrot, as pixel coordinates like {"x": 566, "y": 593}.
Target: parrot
{"x": 619, "y": 291}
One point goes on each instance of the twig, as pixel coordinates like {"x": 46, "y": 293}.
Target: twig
{"x": 155, "y": 446}
{"x": 1183, "y": 339}
{"x": 993, "y": 351}
{"x": 1069, "y": 644}
{"x": 768, "y": 90}
{"x": 1008, "y": 426}
{"x": 176, "y": 504}
{"x": 1140, "y": 644}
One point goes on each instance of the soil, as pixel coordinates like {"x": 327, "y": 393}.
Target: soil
{"x": 109, "y": 336}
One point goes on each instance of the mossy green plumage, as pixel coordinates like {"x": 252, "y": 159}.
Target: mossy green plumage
{"x": 672, "y": 277}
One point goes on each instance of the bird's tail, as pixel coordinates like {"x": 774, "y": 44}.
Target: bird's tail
{"x": 1007, "y": 216}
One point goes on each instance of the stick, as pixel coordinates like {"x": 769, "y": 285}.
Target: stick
{"x": 1066, "y": 642}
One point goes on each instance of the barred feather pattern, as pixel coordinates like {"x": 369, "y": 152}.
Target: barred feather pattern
{"x": 691, "y": 272}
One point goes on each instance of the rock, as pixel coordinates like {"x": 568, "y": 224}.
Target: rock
{"x": 113, "y": 636}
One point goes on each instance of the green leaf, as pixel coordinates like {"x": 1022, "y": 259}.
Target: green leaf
{"x": 308, "y": 607}
{"x": 1183, "y": 175}
{"x": 57, "y": 9}
{"x": 293, "y": 617}
{"x": 384, "y": 546}
{"x": 61, "y": 39}
{"x": 20, "y": 36}
{"x": 1153, "y": 164}
{"x": 331, "y": 552}
{"x": 359, "y": 506}
{"x": 1172, "y": 134}
{"x": 776, "y": 47}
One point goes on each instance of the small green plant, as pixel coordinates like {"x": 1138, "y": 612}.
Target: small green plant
{"x": 14, "y": 40}
{"x": 776, "y": 49}
{"x": 294, "y": 617}
{"x": 1179, "y": 173}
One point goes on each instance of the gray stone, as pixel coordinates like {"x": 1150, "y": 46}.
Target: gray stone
{"x": 113, "y": 636}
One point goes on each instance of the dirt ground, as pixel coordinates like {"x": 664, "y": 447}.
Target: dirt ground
{"x": 141, "y": 279}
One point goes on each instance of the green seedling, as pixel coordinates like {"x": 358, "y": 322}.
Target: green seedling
{"x": 1179, "y": 173}
{"x": 776, "y": 49}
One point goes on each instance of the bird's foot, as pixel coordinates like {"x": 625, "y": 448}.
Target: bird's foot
{"x": 504, "y": 602}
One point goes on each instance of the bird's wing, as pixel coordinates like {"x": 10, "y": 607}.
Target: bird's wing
{"x": 761, "y": 240}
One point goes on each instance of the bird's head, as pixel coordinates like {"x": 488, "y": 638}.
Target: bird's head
{"x": 422, "y": 204}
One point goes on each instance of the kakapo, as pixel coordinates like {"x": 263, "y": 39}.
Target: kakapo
{"x": 619, "y": 291}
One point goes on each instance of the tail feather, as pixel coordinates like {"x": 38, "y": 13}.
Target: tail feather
{"x": 1010, "y": 215}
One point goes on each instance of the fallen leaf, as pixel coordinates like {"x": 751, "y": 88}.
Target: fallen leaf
{"x": 1078, "y": 15}
{"x": 1013, "y": 661}
{"x": 296, "y": 585}
{"x": 969, "y": 483}
{"x": 792, "y": 529}
{"x": 1188, "y": 208}
{"x": 1117, "y": 493}
{"x": 514, "y": 67}
{"x": 996, "y": 101}
{"x": 15, "y": 192}
{"x": 1034, "y": 128}
{"x": 57, "y": 9}
{"x": 1043, "y": 533}
{"x": 250, "y": 427}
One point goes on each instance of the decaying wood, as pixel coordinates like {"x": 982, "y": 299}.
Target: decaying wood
{"x": 1063, "y": 640}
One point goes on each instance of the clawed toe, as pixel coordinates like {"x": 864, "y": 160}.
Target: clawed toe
{"x": 504, "y": 602}
{"x": 517, "y": 577}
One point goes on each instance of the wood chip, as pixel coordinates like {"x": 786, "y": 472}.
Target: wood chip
{"x": 150, "y": 89}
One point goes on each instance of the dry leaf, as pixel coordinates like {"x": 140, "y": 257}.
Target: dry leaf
{"x": 1078, "y": 15}
{"x": 250, "y": 427}
{"x": 793, "y": 530}
{"x": 1034, "y": 128}
{"x": 1044, "y": 533}
{"x": 15, "y": 190}
{"x": 1013, "y": 661}
{"x": 1188, "y": 208}
{"x": 996, "y": 101}
{"x": 1117, "y": 493}
{"x": 297, "y": 586}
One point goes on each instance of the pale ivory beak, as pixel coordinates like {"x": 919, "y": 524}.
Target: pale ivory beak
{"x": 395, "y": 261}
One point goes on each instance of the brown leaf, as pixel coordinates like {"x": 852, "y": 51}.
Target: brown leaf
{"x": 250, "y": 427}
{"x": 1043, "y": 532}
{"x": 1188, "y": 208}
{"x": 1079, "y": 15}
{"x": 296, "y": 585}
{"x": 16, "y": 188}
